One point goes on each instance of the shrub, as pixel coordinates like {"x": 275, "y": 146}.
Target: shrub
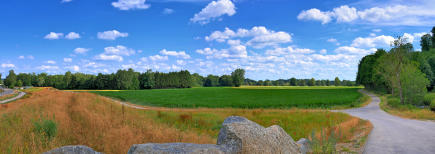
{"x": 432, "y": 105}
{"x": 428, "y": 98}
{"x": 393, "y": 102}
{"x": 45, "y": 128}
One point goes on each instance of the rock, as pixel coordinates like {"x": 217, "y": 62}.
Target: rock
{"x": 303, "y": 145}
{"x": 240, "y": 135}
{"x": 179, "y": 148}
{"x": 76, "y": 149}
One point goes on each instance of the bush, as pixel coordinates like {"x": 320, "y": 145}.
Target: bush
{"x": 46, "y": 128}
{"x": 428, "y": 98}
{"x": 432, "y": 105}
{"x": 393, "y": 102}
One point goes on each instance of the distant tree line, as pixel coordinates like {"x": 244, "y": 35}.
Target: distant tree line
{"x": 300, "y": 82}
{"x": 131, "y": 80}
{"x": 122, "y": 80}
{"x": 403, "y": 72}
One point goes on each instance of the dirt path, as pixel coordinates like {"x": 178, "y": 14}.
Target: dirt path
{"x": 393, "y": 134}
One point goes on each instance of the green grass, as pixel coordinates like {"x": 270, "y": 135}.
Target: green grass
{"x": 392, "y": 105}
{"x": 245, "y": 97}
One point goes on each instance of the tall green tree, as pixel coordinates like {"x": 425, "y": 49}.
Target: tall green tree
{"x": 312, "y": 82}
{"x": 20, "y": 83}
{"x": 238, "y": 77}
{"x": 426, "y": 42}
{"x": 293, "y": 82}
{"x": 413, "y": 83}
{"x": 211, "y": 81}
{"x": 433, "y": 37}
{"x": 11, "y": 79}
{"x": 337, "y": 81}
{"x": 392, "y": 64}
{"x": 226, "y": 81}
{"x": 68, "y": 80}
{"x": 367, "y": 74}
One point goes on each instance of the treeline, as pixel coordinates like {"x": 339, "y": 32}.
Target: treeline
{"x": 121, "y": 80}
{"x": 403, "y": 72}
{"x": 300, "y": 82}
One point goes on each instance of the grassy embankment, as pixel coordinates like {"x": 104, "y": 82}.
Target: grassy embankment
{"x": 392, "y": 106}
{"x": 48, "y": 118}
{"x": 245, "y": 97}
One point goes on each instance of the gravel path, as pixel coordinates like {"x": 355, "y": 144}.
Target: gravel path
{"x": 393, "y": 134}
{"x": 6, "y": 91}
{"x": 10, "y": 91}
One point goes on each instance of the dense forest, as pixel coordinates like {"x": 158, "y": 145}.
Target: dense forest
{"x": 403, "y": 72}
{"x": 121, "y": 80}
{"x": 131, "y": 80}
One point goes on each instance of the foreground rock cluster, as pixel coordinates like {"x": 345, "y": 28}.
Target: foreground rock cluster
{"x": 238, "y": 135}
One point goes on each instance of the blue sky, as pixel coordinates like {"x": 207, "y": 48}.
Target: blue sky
{"x": 270, "y": 39}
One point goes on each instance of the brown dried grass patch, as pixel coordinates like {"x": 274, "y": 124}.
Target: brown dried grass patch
{"x": 83, "y": 119}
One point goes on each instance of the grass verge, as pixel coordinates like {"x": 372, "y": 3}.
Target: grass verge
{"x": 406, "y": 111}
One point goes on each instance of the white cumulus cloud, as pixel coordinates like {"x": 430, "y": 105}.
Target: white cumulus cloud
{"x": 81, "y": 50}
{"x": 130, "y": 4}
{"x": 50, "y": 62}
{"x": 111, "y": 35}
{"x": 213, "y": 10}
{"x": 119, "y": 50}
{"x": 181, "y": 54}
{"x": 72, "y": 36}
{"x": 316, "y": 15}
{"x": 109, "y": 57}
{"x": 371, "y": 42}
{"x": 395, "y": 14}
{"x": 260, "y": 36}
{"x": 53, "y": 36}
{"x": 158, "y": 58}
{"x": 8, "y": 65}
{"x": 67, "y": 60}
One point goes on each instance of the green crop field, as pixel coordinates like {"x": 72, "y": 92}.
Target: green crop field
{"x": 246, "y": 97}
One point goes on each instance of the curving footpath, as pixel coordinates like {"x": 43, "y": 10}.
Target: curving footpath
{"x": 20, "y": 94}
{"x": 393, "y": 134}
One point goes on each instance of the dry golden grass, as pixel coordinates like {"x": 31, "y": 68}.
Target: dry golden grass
{"x": 106, "y": 126}
{"x": 83, "y": 119}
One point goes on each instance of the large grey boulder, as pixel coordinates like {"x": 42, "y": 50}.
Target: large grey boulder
{"x": 241, "y": 135}
{"x": 76, "y": 149}
{"x": 238, "y": 135}
{"x": 179, "y": 148}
